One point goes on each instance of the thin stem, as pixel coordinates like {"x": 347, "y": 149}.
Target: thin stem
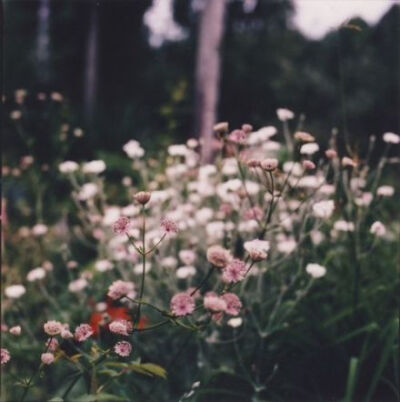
{"x": 144, "y": 266}
{"x": 202, "y": 283}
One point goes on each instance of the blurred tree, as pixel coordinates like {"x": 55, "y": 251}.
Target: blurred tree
{"x": 211, "y": 28}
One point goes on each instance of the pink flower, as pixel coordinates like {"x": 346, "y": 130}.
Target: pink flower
{"x": 66, "y": 333}
{"x": 5, "y": 356}
{"x": 218, "y": 256}
{"x": 47, "y": 358}
{"x": 253, "y": 213}
{"x": 214, "y": 302}
{"x": 257, "y": 249}
{"x": 331, "y": 153}
{"x": 182, "y": 304}
{"x": 235, "y": 271}
{"x": 83, "y": 332}
{"x": 269, "y": 164}
{"x": 52, "y": 328}
{"x": 142, "y": 197}
{"x": 237, "y": 136}
{"x": 121, "y": 327}
{"x": 123, "y": 348}
{"x": 247, "y": 128}
{"x": 52, "y": 344}
{"x": 233, "y": 303}
{"x": 120, "y": 289}
{"x": 121, "y": 226}
{"x": 308, "y": 165}
{"x": 15, "y": 330}
{"x": 169, "y": 225}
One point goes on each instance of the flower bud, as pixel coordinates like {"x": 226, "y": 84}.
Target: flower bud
{"x": 269, "y": 164}
{"x": 308, "y": 165}
{"x": 142, "y": 197}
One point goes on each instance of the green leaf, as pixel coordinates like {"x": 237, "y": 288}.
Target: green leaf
{"x": 56, "y": 399}
{"x": 351, "y": 379}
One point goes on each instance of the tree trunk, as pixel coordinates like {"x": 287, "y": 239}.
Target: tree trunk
{"x": 90, "y": 84}
{"x": 211, "y": 30}
{"x": 43, "y": 42}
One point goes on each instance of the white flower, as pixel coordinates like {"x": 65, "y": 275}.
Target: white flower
{"x": 323, "y": 209}
{"x": 177, "y": 150}
{"x": 378, "y": 228}
{"x": 77, "y": 285}
{"x": 262, "y": 135}
{"x": 133, "y": 149}
{"x": 284, "y": 114}
{"x": 344, "y": 226}
{"x": 88, "y": 190}
{"x": 235, "y": 322}
{"x": 185, "y": 272}
{"x": 94, "y": 167}
{"x": 385, "y": 191}
{"x": 316, "y": 270}
{"x": 169, "y": 262}
{"x": 287, "y": 245}
{"x": 309, "y": 149}
{"x": 39, "y": 229}
{"x": 187, "y": 256}
{"x": 294, "y": 168}
{"x": 15, "y": 291}
{"x": 391, "y": 138}
{"x": 103, "y": 265}
{"x": 230, "y": 167}
{"x": 36, "y": 274}
{"x": 68, "y": 167}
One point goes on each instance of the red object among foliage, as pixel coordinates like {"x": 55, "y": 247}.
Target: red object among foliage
{"x": 115, "y": 313}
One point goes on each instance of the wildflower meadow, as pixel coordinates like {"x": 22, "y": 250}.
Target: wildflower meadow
{"x": 269, "y": 273}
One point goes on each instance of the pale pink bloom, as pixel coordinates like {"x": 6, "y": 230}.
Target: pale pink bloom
{"x": 169, "y": 225}
{"x": 218, "y": 256}
{"x": 377, "y": 228}
{"x": 182, "y": 304}
{"x": 16, "y": 330}
{"x": 385, "y": 191}
{"x": 237, "y": 136}
{"x": 323, "y": 209}
{"x": 253, "y": 213}
{"x": 83, "y": 332}
{"x": 235, "y": 271}
{"x": 15, "y": 291}
{"x": 257, "y": 249}
{"x": 309, "y": 148}
{"x": 123, "y": 348}
{"x": 214, "y": 302}
{"x": 4, "y": 327}
{"x": 47, "y": 358}
{"x": 331, "y": 153}
{"x": 315, "y": 270}
{"x": 120, "y": 289}
{"x": 52, "y": 327}
{"x": 284, "y": 114}
{"x": 247, "y": 128}
{"x": 187, "y": 256}
{"x": 253, "y": 163}
{"x": 308, "y": 165}
{"x": 233, "y": 303}
{"x": 346, "y": 161}
{"x": 121, "y": 327}
{"x": 5, "y": 356}
{"x": 391, "y": 138}
{"x": 269, "y": 164}
{"x": 121, "y": 226}
{"x": 304, "y": 136}
{"x": 52, "y": 344}
{"x": 66, "y": 333}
